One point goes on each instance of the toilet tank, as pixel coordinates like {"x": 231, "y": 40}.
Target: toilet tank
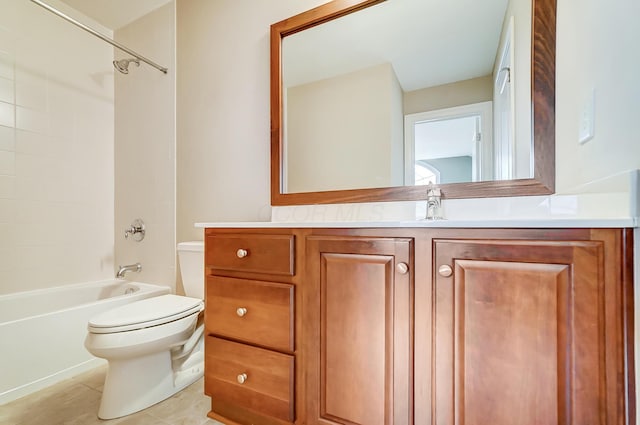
{"x": 191, "y": 258}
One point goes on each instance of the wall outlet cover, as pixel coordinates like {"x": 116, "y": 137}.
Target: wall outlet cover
{"x": 587, "y": 118}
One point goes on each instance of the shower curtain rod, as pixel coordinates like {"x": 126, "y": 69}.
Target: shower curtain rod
{"x": 101, "y": 36}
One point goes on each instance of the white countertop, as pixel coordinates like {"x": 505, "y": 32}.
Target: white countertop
{"x": 519, "y": 223}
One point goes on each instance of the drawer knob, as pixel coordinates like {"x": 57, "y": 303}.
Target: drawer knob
{"x": 242, "y": 378}
{"x": 241, "y": 311}
{"x": 241, "y": 253}
{"x": 445, "y": 270}
{"x": 402, "y": 268}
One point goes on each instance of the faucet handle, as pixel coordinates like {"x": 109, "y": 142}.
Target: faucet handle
{"x": 433, "y": 191}
{"x": 434, "y": 204}
{"x": 136, "y": 230}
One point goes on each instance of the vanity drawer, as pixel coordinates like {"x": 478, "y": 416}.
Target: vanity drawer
{"x": 253, "y": 378}
{"x": 254, "y": 253}
{"x": 253, "y": 311}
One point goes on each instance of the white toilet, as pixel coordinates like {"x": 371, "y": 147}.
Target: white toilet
{"x": 154, "y": 347}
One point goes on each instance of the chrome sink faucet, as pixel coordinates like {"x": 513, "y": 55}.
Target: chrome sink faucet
{"x": 122, "y": 270}
{"x": 434, "y": 203}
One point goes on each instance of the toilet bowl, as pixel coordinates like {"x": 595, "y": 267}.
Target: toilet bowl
{"x": 154, "y": 347}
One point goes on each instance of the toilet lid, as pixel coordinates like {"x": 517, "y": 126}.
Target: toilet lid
{"x": 145, "y": 313}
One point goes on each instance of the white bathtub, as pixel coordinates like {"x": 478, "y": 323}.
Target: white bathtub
{"x": 42, "y": 332}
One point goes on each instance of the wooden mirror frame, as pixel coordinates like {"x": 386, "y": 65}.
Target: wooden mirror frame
{"x": 543, "y": 115}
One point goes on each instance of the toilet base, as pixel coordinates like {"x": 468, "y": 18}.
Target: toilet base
{"x": 155, "y": 380}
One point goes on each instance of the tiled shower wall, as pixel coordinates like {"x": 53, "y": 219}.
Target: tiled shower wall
{"x": 145, "y": 146}
{"x": 56, "y": 150}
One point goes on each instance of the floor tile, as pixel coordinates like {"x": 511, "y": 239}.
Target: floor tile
{"x": 76, "y": 401}
{"x": 185, "y": 408}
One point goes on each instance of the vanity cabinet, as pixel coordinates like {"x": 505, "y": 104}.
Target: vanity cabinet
{"x": 423, "y": 326}
{"x": 250, "y": 351}
{"x": 358, "y": 329}
{"x": 527, "y": 332}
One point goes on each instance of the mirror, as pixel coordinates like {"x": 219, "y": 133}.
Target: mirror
{"x": 392, "y": 116}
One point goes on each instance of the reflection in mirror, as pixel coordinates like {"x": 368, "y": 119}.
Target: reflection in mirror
{"x": 362, "y": 91}
{"x": 450, "y": 141}
{"x": 350, "y": 85}
{"x": 446, "y": 147}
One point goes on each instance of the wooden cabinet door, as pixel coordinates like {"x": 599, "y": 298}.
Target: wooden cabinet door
{"x": 519, "y": 333}
{"x": 357, "y": 330}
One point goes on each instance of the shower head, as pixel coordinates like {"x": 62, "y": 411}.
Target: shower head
{"x": 123, "y": 64}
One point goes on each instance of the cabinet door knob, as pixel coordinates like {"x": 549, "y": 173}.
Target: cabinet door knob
{"x": 445, "y": 270}
{"x": 402, "y": 268}
{"x": 241, "y": 253}
{"x": 242, "y": 378}
{"x": 241, "y": 311}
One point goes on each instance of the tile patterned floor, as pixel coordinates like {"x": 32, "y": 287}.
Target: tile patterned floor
{"x": 76, "y": 400}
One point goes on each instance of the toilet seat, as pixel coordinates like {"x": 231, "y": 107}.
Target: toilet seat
{"x": 146, "y": 313}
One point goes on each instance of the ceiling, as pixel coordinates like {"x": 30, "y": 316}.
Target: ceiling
{"x": 115, "y": 14}
{"x": 428, "y": 42}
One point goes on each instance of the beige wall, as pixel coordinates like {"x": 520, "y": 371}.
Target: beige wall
{"x": 56, "y": 150}
{"x": 396, "y": 118}
{"x": 340, "y": 132}
{"x": 460, "y": 93}
{"x": 597, "y": 49}
{"x": 145, "y": 148}
{"x": 223, "y": 121}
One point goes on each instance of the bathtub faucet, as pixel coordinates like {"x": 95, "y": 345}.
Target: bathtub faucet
{"x": 129, "y": 268}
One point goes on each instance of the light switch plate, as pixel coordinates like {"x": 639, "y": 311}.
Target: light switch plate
{"x": 587, "y": 118}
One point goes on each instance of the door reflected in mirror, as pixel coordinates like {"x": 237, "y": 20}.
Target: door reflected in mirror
{"x": 451, "y": 142}
{"x": 376, "y": 98}
{"x": 447, "y": 148}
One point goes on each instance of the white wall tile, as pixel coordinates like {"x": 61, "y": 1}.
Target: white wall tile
{"x": 56, "y": 152}
{"x": 32, "y": 94}
{"x": 7, "y": 50}
{"x": 7, "y": 163}
{"x": 7, "y": 91}
{"x": 28, "y": 142}
{"x": 6, "y": 64}
{"x": 7, "y": 211}
{"x": 63, "y": 106}
{"x": 7, "y": 236}
{"x": 7, "y": 114}
{"x": 31, "y": 120}
{"x": 7, "y": 187}
{"x": 10, "y": 255}
{"x": 7, "y": 138}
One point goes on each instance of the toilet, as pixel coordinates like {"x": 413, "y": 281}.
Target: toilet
{"x": 154, "y": 347}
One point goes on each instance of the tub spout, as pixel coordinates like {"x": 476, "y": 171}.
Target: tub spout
{"x": 122, "y": 270}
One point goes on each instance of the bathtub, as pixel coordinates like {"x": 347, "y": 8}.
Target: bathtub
{"x": 42, "y": 332}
